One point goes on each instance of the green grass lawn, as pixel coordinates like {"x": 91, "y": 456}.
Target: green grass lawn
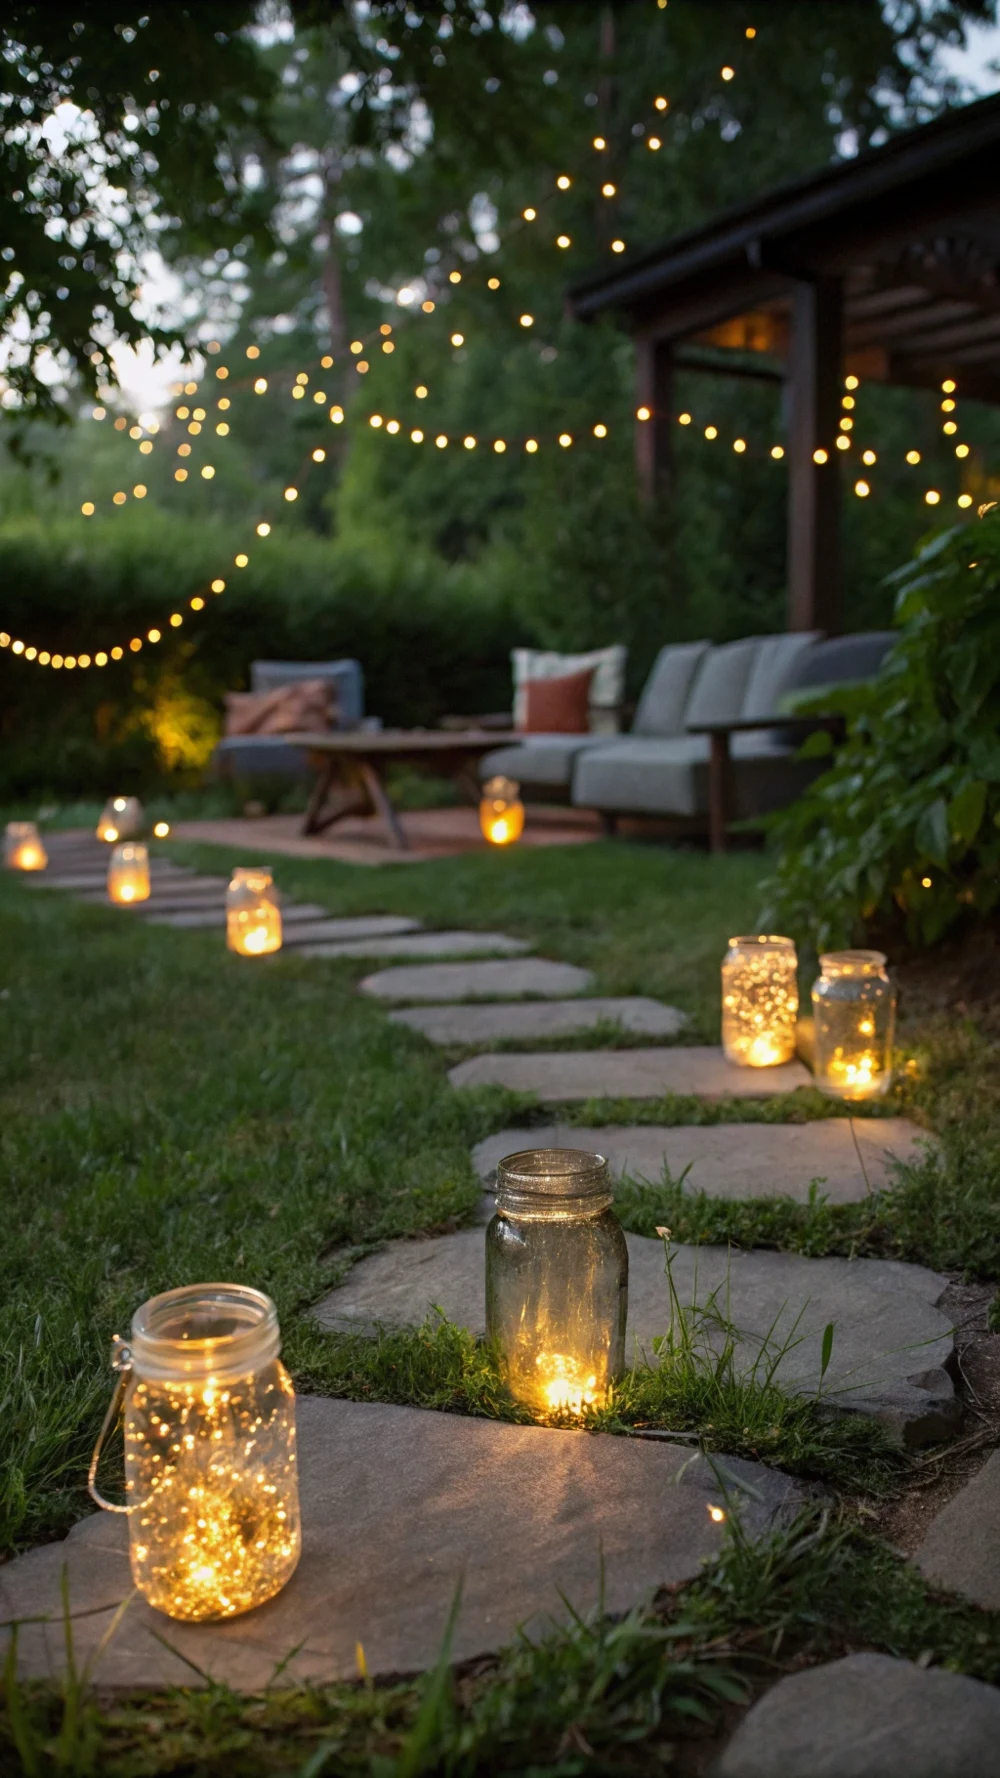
{"x": 170, "y": 1112}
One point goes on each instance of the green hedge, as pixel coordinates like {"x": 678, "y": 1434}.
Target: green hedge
{"x": 432, "y": 639}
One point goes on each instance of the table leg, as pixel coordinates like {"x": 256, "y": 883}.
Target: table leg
{"x": 329, "y": 804}
{"x": 718, "y": 792}
{"x": 383, "y": 807}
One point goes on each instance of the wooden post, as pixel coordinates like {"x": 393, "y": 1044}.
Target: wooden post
{"x": 654, "y": 437}
{"x": 815, "y": 360}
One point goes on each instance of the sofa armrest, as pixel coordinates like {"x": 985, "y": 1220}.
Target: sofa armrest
{"x": 719, "y": 762}
{"x": 833, "y": 722}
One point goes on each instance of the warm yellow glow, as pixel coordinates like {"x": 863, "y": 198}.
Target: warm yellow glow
{"x": 600, "y": 431}
{"x": 128, "y": 874}
{"x": 760, "y": 1001}
{"x": 175, "y": 620}
{"x": 925, "y": 882}
{"x": 87, "y": 508}
{"x": 728, "y": 73}
{"x": 319, "y": 456}
{"x": 821, "y": 456}
{"x": 608, "y": 190}
{"x": 441, "y": 441}
{"x": 417, "y": 436}
{"x": 210, "y": 1469}
{"x": 375, "y": 420}
{"x": 913, "y": 456}
{"x": 850, "y": 382}
{"x": 207, "y": 471}
{"x": 716, "y": 1514}
{"x": 392, "y": 426}
{"x": 843, "y": 443}
{"x": 739, "y": 445}
{"x": 253, "y": 351}
{"x": 531, "y": 445}
{"x": 218, "y": 586}
{"x": 950, "y": 427}
{"x": 932, "y": 497}
{"x": 469, "y": 443}
{"x": 291, "y": 493}
{"x": 140, "y": 490}
{"x": 146, "y": 446}
{"x": 529, "y": 214}
{"x": 599, "y": 142}
{"x": 643, "y": 413}
{"x": 661, "y": 103}
{"x": 253, "y": 913}
{"x": 263, "y": 530}
{"x": 564, "y": 182}
{"x": 197, "y": 604}
{"x": 458, "y": 339}
{"x": 566, "y": 1387}
{"x": 260, "y": 386}
{"x": 846, "y": 423}
{"x": 869, "y": 457}
{"x": 565, "y": 439}
{"x": 154, "y": 635}
{"x": 563, "y": 241}
{"x": 862, "y": 490}
{"x": 684, "y": 419}
{"x": 499, "y": 445}
{"x": 965, "y": 500}
{"x": 947, "y": 407}
{"x": 119, "y": 498}
{"x": 501, "y": 811}
{"x": 327, "y": 362}
{"x": 23, "y": 848}
{"x": 527, "y": 320}
{"x": 337, "y": 415}
{"x": 492, "y": 283}
{"x": 777, "y": 452}
{"x": 454, "y": 277}
{"x": 618, "y": 246}
{"x": 654, "y": 143}
{"x": 428, "y": 307}
{"x": 241, "y": 560}
{"x": 161, "y": 829}
{"x": 711, "y": 432}
{"x": 949, "y": 386}
{"x": 847, "y": 401}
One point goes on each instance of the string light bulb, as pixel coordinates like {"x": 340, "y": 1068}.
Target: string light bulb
{"x": 820, "y": 456}
{"x": 862, "y": 490}
{"x": 777, "y": 452}
{"x": 564, "y": 182}
{"x": 913, "y": 456}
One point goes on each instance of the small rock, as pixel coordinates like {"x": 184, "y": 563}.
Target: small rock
{"x": 961, "y": 1551}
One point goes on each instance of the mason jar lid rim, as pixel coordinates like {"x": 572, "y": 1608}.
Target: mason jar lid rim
{"x": 566, "y": 1172}
{"x": 763, "y": 938}
{"x": 854, "y": 959}
{"x": 144, "y": 1329}
{"x": 252, "y": 870}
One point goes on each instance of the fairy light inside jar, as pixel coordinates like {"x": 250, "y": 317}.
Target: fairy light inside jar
{"x": 854, "y": 1006}
{"x": 501, "y": 811}
{"x": 23, "y": 848}
{"x": 760, "y": 1001}
{"x": 128, "y": 874}
{"x": 253, "y": 912}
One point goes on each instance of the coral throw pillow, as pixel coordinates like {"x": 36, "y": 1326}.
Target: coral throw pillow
{"x": 306, "y": 706}
{"x": 558, "y": 706}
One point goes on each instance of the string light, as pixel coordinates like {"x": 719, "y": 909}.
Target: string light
{"x": 862, "y": 489}
{"x": 913, "y": 456}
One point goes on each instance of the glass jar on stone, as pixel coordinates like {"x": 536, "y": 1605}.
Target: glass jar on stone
{"x": 501, "y": 811}
{"x": 253, "y": 912}
{"x": 854, "y": 1004}
{"x": 128, "y": 874}
{"x": 760, "y": 1001}
{"x": 210, "y": 1468}
{"x": 23, "y": 848}
{"x": 556, "y": 1280}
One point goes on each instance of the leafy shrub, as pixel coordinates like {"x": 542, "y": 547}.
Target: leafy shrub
{"x": 901, "y": 836}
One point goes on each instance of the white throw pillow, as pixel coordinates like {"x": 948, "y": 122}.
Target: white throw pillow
{"x": 607, "y": 688}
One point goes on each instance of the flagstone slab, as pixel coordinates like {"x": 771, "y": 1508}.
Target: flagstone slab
{"x": 628, "y": 1074}
{"x": 399, "y": 1507}
{"x": 298, "y": 923}
{"x": 539, "y": 1018}
{"x": 534, "y": 976}
{"x": 848, "y": 1157}
{"x": 425, "y": 944}
{"x": 961, "y": 1551}
{"x": 869, "y": 1716}
{"x": 891, "y": 1342}
{"x": 160, "y": 869}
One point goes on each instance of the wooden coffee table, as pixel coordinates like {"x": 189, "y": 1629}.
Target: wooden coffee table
{"x": 351, "y": 765}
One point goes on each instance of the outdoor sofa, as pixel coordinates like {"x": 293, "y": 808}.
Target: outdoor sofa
{"x": 272, "y": 756}
{"x": 714, "y": 738}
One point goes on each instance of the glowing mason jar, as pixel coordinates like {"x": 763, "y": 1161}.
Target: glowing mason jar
{"x": 556, "y": 1279}
{"x": 122, "y": 818}
{"x": 23, "y": 848}
{"x": 854, "y": 1004}
{"x": 128, "y": 874}
{"x": 501, "y": 811}
{"x": 760, "y": 1001}
{"x": 253, "y": 912}
{"x": 210, "y": 1471}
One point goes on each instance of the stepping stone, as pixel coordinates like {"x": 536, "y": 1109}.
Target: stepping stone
{"x": 479, "y": 981}
{"x": 628, "y": 1074}
{"x": 539, "y": 1018}
{"x": 737, "y": 1160}
{"x": 424, "y": 944}
{"x": 355, "y": 927}
{"x": 399, "y": 1506}
{"x": 869, "y": 1716}
{"x": 890, "y": 1344}
{"x": 961, "y": 1551}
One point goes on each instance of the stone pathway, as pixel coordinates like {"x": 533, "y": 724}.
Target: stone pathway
{"x": 869, "y": 1716}
{"x": 478, "y": 981}
{"x": 849, "y": 1157}
{"x": 539, "y": 1018}
{"x": 399, "y": 1506}
{"x": 628, "y": 1074}
{"x": 891, "y": 1340}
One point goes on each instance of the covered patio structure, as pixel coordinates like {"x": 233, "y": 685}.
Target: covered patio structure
{"x": 886, "y": 267}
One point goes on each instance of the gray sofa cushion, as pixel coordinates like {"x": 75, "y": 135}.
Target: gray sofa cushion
{"x": 718, "y": 692}
{"x": 669, "y": 777}
{"x": 539, "y": 760}
{"x": 842, "y": 660}
{"x": 660, "y": 709}
{"x": 345, "y": 678}
{"x": 641, "y": 774}
{"x": 777, "y": 659}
